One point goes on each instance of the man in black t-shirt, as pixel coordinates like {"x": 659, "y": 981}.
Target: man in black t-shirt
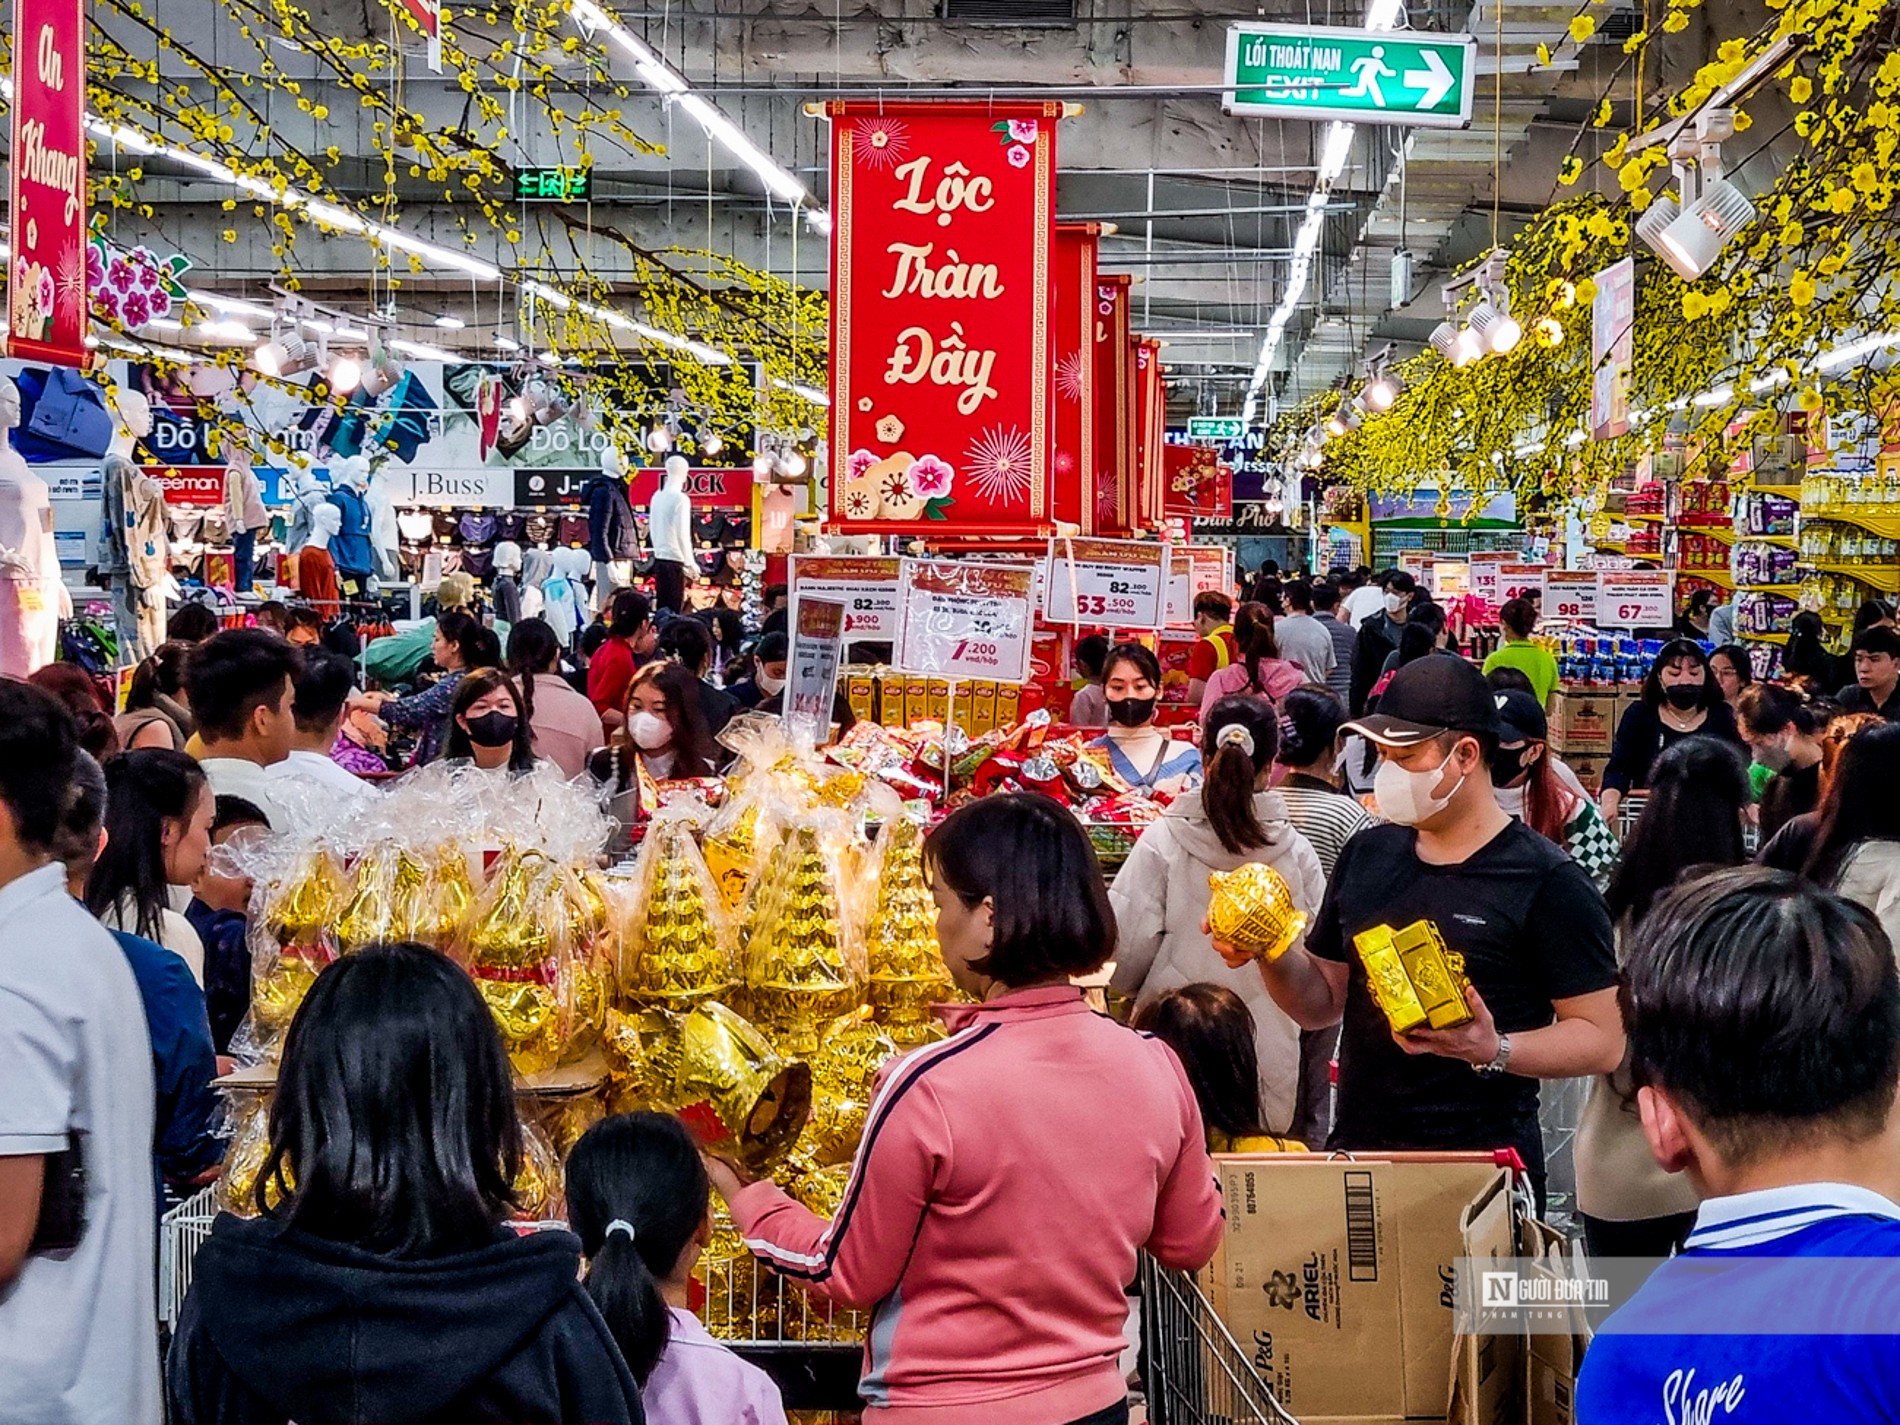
{"x": 1876, "y": 685}
{"x": 1534, "y": 933}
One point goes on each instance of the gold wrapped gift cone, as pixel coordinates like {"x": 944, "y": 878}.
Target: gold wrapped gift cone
{"x": 510, "y": 956}
{"x": 905, "y": 969}
{"x": 677, "y": 953}
{"x": 1253, "y": 910}
{"x": 1413, "y": 978}
{"x": 797, "y": 973}
{"x": 844, "y": 1070}
{"x": 734, "y": 1091}
{"x": 305, "y": 907}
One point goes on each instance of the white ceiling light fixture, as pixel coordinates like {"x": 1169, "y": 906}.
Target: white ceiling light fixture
{"x": 345, "y": 375}
{"x": 420, "y": 350}
{"x": 1689, "y": 231}
{"x": 285, "y": 355}
{"x": 449, "y": 322}
{"x": 712, "y": 444}
{"x": 1382, "y": 387}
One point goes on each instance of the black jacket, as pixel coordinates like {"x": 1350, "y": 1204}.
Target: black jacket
{"x": 282, "y": 1326}
{"x": 610, "y": 529}
{"x": 1378, "y": 637}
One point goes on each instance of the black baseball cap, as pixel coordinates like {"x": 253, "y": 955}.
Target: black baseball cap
{"x": 1438, "y": 693}
{"x": 1521, "y": 717}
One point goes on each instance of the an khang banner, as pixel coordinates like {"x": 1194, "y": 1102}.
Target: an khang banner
{"x": 46, "y": 186}
{"x": 940, "y": 270}
{"x": 1114, "y": 490}
{"x": 1072, "y": 394}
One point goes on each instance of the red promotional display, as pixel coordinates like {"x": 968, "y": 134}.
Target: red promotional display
{"x": 46, "y": 189}
{"x": 1072, "y": 322}
{"x": 1198, "y": 485}
{"x": 940, "y": 272}
{"x": 1147, "y": 402}
{"x": 1114, "y": 420}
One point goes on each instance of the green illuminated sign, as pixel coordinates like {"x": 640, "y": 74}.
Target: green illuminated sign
{"x": 554, "y": 185}
{"x": 1215, "y": 428}
{"x": 1361, "y": 76}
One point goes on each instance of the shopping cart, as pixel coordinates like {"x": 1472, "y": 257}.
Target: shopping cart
{"x": 181, "y": 1232}
{"x": 1193, "y": 1371}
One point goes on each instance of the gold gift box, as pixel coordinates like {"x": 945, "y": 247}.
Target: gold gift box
{"x": 1414, "y": 979}
{"x": 1252, "y": 909}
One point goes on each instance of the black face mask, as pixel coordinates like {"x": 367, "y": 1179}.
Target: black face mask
{"x": 1507, "y": 765}
{"x": 1131, "y": 712}
{"x": 1683, "y": 696}
{"x": 492, "y": 729}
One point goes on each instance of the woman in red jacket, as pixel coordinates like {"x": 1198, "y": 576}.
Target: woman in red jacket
{"x": 1010, "y": 1173}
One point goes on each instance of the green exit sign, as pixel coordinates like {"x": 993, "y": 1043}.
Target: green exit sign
{"x": 554, "y": 185}
{"x": 1215, "y": 428}
{"x": 1361, "y": 76}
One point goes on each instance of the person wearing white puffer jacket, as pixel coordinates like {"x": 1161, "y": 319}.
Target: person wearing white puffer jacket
{"x": 1161, "y": 895}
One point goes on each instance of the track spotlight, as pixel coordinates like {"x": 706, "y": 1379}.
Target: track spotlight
{"x": 345, "y": 375}
{"x": 1381, "y": 392}
{"x": 712, "y": 444}
{"x": 285, "y": 355}
{"x": 1443, "y": 339}
{"x": 1467, "y": 348}
{"x": 1694, "y": 240}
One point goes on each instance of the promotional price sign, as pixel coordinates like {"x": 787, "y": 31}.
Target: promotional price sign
{"x": 940, "y": 371}
{"x": 1072, "y": 319}
{"x": 963, "y": 620}
{"x": 867, "y": 588}
{"x": 1178, "y": 605}
{"x": 1104, "y": 581}
{"x": 1451, "y": 578}
{"x": 1213, "y": 568}
{"x": 1485, "y": 566}
{"x": 1636, "y": 598}
{"x": 46, "y": 184}
{"x": 1516, "y": 581}
{"x": 811, "y": 674}
{"x": 1571, "y": 594}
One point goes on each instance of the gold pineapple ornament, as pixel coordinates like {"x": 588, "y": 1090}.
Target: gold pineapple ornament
{"x": 1252, "y": 909}
{"x": 905, "y": 973}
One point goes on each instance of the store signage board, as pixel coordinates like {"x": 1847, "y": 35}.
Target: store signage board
{"x": 46, "y": 185}
{"x": 1612, "y": 329}
{"x": 1072, "y": 417}
{"x": 942, "y": 224}
{"x": 962, "y": 620}
{"x": 1362, "y": 76}
{"x": 867, "y": 588}
{"x": 554, "y": 185}
{"x": 811, "y": 674}
{"x": 1178, "y": 607}
{"x": 196, "y": 485}
{"x": 1517, "y": 581}
{"x": 1636, "y": 598}
{"x": 1485, "y": 564}
{"x": 1571, "y": 594}
{"x": 1215, "y": 428}
{"x": 1111, "y": 581}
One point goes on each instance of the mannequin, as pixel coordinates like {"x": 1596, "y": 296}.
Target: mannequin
{"x": 244, "y": 508}
{"x": 309, "y": 493}
{"x": 670, "y": 528}
{"x": 352, "y": 549}
{"x": 612, "y": 538}
{"x": 384, "y": 536}
{"x": 33, "y": 598}
{"x": 505, "y": 588}
{"x": 134, "y": 536}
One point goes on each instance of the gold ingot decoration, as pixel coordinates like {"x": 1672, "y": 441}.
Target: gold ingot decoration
{"x": 844, "y": 1072}
{"x": 643, "y": 1054}
{"x": 368, "y": 918}
{"x": 537, "y": 1182}
{"x": 1252, "y": 909}
{"x": 905, "y": 969}
{"x": 1413, "y": 978}
{"x": 796, "y": 973}
{"x": 244, "y": 1160}
{"x": 677, "y": 957}
{"x": 511, "y": 960}
{"x": 734, "y": 1092}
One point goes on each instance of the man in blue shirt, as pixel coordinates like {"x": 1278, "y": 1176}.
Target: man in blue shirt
{"x": 1763, "y": 1017}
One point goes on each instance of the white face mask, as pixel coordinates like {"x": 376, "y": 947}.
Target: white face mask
{"x": 1394, "y": 602}
{"x": 771, "y": 686}
{"x": 649, "y": 733}
{"x": 1405, "y": 797}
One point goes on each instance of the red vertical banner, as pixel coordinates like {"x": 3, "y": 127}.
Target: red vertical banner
{"x": 1157, "y": 438}
{"x": 1114, "y": 474}
{"x": 46, "y": 184}
{"x": 1072, "y": 391}
{"x": 1144, "y": 361}
{"x": 942, "y": 218}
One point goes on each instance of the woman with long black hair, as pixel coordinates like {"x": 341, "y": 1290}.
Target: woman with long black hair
{"x": 1856, "y": 850}
{"x": 159, "y": 809}
{"x": 1681, "y": 698}
{"x": 378, "y": 1282}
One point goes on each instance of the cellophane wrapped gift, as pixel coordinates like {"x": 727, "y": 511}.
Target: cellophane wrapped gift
{"x": 367, "y": 914}
{"x": 676, "y": 944}
{"x": 295, "y": 902}
{"x": 904, "y": 969}
{"x": 643, "y": 1049}
{"x": 844, "y": 1068}
{"x": 801, "y": 965}
{"x": 244, "y": 1159}
{"x": 514, "y": 957}
{"x": 538, "y": 1188}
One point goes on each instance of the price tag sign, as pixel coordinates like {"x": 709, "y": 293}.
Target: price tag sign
{"x": 960, "y": 620}
{"x": 866, "y": 587}
{"x": 811, "y": 674}
{"x": 1418, "y": 563}
{"x": 1571, "y": 594}
{"x": 1111, "y": 581}
{"x": 1213, "y": 569}
{"x": 1485, "y": 566}
{"x": 1636, "y": 598}
{"x": 1451, "y": 578}
{"x": 1516, "y": 581}
{"x": 1179, "y": 610}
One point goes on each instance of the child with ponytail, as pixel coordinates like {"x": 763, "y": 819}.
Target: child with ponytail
{"x": 639, "y": 1200}
{"x": 1161, "y": 896}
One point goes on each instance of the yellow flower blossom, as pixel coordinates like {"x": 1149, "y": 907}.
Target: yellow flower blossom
{"x": 1582, "y": 27}
{"x": 1801, "y": 288}
{"x": 1801, "y": 89}
{"x": 1695, "y": 306}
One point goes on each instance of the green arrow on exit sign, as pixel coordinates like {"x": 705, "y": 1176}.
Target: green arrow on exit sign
{"x": 1362, "y": 76}
{"x": 1215, "y": 428}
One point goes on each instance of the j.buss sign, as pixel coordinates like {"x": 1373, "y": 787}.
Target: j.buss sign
{"x": 940, "y": 264}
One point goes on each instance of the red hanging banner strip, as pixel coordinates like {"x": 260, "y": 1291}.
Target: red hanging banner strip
{"x": 1114, "y": 488}
{"x": 1072, "y": 391}
{"x": 942, "y": 218}
{"x": 46, "y": 185}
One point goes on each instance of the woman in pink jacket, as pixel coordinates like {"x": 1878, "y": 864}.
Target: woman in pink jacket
{"x": 1009, "y": 1174}
{"x": 1259, "y": 669}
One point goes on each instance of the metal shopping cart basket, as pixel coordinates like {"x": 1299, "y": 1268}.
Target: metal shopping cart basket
{"x": 1193, "y": 1371}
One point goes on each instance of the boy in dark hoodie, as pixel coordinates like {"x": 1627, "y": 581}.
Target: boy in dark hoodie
{"x": 380, "y": 1286}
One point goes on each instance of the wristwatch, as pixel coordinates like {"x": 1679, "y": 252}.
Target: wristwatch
{"x": 1501, "y": 1064}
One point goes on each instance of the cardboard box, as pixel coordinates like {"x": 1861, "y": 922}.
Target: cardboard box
{"x": 981, "y": 711}
{"x": 1487, "y": 1371}
{"x": 1338, "y": 1275}
{"x": 1589, "y": 769}
{"x": 937, "y": 699}
{"x": 860, "y": 691}
{"x": 1584, "y": 723}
